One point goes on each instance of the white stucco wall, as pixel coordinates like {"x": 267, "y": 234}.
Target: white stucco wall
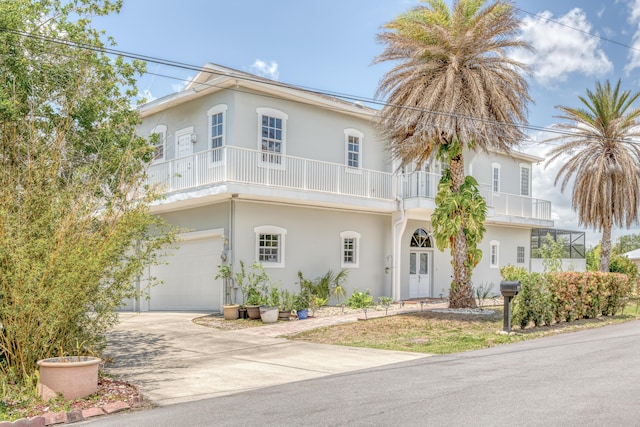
{"x": 313, "y": 243}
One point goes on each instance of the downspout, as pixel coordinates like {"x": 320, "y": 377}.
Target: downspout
{"x": 229, "y": 248}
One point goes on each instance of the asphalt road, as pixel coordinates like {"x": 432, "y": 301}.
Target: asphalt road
{"x": 587, "y": 378}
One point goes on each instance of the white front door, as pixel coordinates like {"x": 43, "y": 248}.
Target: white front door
{"x": 419, "y": 277}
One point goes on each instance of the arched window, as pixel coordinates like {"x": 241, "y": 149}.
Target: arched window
{"x": 421, "y": 239}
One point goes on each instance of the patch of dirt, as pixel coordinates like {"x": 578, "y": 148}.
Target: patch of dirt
{"x": 109, "y": 390}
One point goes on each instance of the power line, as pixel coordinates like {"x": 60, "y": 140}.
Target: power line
{"x": 246, "y": 77}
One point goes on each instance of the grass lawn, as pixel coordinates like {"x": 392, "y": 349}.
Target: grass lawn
{"x": 444, "y": 333}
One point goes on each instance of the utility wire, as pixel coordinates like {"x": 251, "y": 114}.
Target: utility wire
{"x": 319, "y": 92}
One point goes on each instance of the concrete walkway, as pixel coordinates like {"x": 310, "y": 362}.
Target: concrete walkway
{"x": 174, "y": 360}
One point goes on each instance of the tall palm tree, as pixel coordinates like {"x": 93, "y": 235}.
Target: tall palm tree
{"x": 453, "y": 87}
{"x": 604, "y": 158}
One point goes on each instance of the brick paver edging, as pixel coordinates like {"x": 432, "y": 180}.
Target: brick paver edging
{"x": 51, "y": 418}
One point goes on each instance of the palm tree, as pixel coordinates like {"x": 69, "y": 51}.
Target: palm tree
{"x": 603, "y": 158}
{"x": 453, "y": 87}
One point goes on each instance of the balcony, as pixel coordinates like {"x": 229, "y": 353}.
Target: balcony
{"x": 425, "y": 185}
{"x": 253, "y": 167}
{"x": 239, "y": 165}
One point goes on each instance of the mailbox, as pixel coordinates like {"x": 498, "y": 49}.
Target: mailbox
{"x": 509, "y": 289}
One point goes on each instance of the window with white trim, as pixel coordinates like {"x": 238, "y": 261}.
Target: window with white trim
{"x": 525, "y": 180}
{"x": 272, "y": 135}
{"x": 495, "y": 177}
{"x": 353, "y": 148}
{"x": 270, "y": 245}
{"x": 160, "y": 143}
{"x": 216, "y": 117}
{"x": 350, "y": 249}
{"x": 494, "y": 254}
{"x": 520, "y": 255}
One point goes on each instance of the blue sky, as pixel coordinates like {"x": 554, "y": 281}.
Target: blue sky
{"x": 330, "y": 45}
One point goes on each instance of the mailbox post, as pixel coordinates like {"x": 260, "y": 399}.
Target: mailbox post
{"x": 508, "y": 289}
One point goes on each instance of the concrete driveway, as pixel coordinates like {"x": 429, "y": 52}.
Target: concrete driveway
{"x": 174, "y": 360}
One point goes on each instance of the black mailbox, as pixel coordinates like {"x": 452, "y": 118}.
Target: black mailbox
{"x": 509, "y": 289}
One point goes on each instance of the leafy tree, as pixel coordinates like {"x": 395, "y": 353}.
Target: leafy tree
{"x": 552, "y": 252}
{"x": 626, "y": 243}
{"x": 75, "y": 228}
{"x": 604, "y": 160}
{"x": 593, "y": 258}
{"x": 453, "y": 88}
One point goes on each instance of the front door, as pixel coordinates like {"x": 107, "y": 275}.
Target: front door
{"x": 419, "y": 278}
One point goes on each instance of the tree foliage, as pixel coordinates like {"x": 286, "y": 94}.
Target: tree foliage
{"x": 74, "y": 218}
{"x": 604, "y": 160}
{"x": 626, "y": 243}
{"x": 453, "y": 87}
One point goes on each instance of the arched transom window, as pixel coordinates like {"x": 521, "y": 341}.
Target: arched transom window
{"x": 420, "y": 239}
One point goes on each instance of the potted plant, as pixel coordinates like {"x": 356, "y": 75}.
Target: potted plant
{"x": 287, "y": 303}
{"x": 252, "y": 285}
{"x": 269, "y": 311}
{"x": 75, "y": 377}
{"x": 302, "y": 303}
{"x": 229, "y": 310}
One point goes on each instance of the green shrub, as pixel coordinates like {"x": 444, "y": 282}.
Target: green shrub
{"x": 360, "y": 301}
{"x": 532, "y": 304}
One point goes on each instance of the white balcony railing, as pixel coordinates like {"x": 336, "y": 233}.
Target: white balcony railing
{"x": 232, "y": 164}
{"x": 239, "y": 165}
{"x": 516, "y": 205}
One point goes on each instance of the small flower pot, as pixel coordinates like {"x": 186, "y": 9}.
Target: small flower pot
{"x": 303, "y": 314}
{"x": 284, "y": 315}
{"x": 242, "y": 313}
{"x": 74, "y": 377}
{"x": 230, "y": 312}
{"x": 253, "y": 311}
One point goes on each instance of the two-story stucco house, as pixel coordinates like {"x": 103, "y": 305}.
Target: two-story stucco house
{"x": 256, "y": 170}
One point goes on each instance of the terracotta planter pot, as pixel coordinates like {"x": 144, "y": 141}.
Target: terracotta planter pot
{"x": 269, "y": 314}
{"x": 230, "y": 312}
{"x": 253, "y": 311}
{"x": 73, "y": 376}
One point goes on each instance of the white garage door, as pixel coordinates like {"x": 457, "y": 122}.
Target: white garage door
{"x": 188, "y": 277}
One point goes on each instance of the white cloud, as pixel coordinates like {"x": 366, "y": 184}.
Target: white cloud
{"x": 560, "y": 49}
{"x": 182, "y": 84}
{"x": 263, "y": 69}
{"x": 634, "y": 54}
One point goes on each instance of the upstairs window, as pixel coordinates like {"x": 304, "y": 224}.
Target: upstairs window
{"x": 353, "y": 147}
{"x": 216, "y": 130}
{"x": 160, "y": 143}
{"x": 494, "y": 254}
{"x": 350, "y": 249}
{"x": 495, "y": 177}
{"x": 270, "y": 245}
{"x": 525, "y": 180}
{"x": 272, "y": 133}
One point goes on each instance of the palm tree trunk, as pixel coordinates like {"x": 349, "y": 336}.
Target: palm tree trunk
{"x": 605, "y": 247}
{"x": 460, "y": 294}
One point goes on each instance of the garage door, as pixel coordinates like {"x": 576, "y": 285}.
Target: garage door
{"x": 188, "y": 276}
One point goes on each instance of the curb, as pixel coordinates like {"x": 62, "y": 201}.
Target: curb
{"x": 77, "y": 415}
